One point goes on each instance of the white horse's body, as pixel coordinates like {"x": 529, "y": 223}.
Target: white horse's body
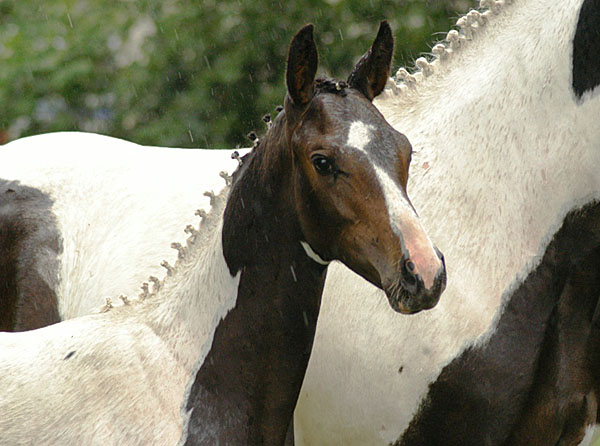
{"x": 503, "y": 151}
{"x": 120, "y": 377}
{"x": 118, "y": 207}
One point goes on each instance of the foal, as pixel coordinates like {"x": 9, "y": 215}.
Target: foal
{"x": 217, "y": 354}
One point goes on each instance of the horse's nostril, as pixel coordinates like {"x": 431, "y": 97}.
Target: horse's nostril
{"x": 410, "y": 280}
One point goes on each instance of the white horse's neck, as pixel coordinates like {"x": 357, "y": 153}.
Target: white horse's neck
{"x": 512, "y": 189}
{"x": 238, "y": 312}
{"x": 196, "y": 294}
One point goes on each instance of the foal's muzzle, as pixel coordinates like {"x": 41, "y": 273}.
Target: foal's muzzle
{"x": 407, "y": 293}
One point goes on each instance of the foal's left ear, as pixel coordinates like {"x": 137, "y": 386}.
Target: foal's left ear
{"x": 373, "y": 69}
{"x": 302, "y": 66}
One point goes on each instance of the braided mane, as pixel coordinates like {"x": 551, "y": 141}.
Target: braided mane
{"x": 469, "y": 25}
{"x": 198, "y": 238}
{"x": 403, "y": 82}
{"x": 329, "y": 85}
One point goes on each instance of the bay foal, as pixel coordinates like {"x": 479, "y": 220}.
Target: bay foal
{"x": 217, "y": 352}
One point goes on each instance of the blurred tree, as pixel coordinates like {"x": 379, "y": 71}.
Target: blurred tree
{"x": 181, "y": 73}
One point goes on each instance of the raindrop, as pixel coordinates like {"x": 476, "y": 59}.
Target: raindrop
{"x": 70, "y": 21}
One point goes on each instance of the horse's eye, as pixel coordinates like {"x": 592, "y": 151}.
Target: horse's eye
{"x": 323, "y": 165}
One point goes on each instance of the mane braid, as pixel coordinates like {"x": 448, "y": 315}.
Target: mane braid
{"x": 328, "y": 85}
{"x": 442, "y": 52}
{"x": 198, "y": 238}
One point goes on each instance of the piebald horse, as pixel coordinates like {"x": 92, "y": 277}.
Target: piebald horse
{"x": 505, "y": 124}
{"x": 216, "y": 353}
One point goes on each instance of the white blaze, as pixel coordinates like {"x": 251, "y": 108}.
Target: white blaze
{"x": 359, "y": 135}
{"x": 403, "y": 218}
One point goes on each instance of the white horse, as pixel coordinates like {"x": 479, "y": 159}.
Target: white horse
{"x": 216, "y": 353}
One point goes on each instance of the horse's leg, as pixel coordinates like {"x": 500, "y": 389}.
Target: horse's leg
{"x": 594, "y": 358}
{"x": 563, "y": 402}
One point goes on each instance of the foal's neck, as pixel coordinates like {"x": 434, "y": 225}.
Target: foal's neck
{"x": 246, "y": 390}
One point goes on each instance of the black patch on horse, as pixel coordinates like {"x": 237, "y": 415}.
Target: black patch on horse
{"x": 586, "y": 49}
{"x": 511, "y": 389}
{"x": 29, "y": 246}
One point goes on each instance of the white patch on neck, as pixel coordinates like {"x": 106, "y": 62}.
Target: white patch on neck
{"x": 132, "y": 185}
{"x": 589, "y": 436}
{"x": 313, "y": 255}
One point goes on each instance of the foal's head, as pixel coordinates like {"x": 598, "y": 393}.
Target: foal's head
{"x": 349, "y": 175}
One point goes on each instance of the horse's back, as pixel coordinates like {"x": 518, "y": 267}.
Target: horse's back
{"x": 84, "y": 199}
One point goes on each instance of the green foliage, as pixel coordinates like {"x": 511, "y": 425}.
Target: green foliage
{"x": 181, "y": 73}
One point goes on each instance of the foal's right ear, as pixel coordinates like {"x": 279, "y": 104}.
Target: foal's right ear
{"x": 302, "y": 66}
